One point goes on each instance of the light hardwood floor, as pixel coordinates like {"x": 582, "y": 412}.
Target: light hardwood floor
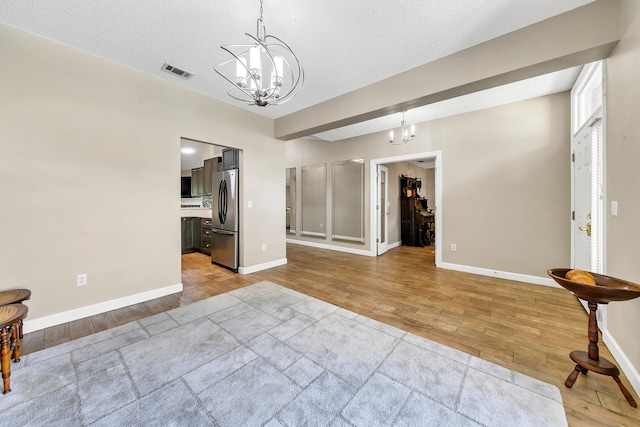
{"x": 527, "y": 328}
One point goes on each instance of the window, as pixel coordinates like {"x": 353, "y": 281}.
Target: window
{"x": 588, "y": 95}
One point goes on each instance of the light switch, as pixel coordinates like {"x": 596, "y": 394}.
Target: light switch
{"x": 614, "y": 208}
{"x": 250, "y": 204}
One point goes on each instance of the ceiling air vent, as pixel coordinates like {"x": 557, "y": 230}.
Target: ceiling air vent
{"x": 177, "y": 71}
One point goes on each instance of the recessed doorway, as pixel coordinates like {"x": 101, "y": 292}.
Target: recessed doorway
{"x": 385, "y": 212}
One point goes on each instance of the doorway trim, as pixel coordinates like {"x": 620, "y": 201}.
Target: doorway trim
{"x": 382, "y": 206}
{"x": 599, "y": 114}
{"x": 373, "y": 221}
{"x": 587, "y": 76}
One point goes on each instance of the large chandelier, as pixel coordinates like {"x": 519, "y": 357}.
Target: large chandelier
{"x": 408, "y": 132}
{"x": 267, "y": 72}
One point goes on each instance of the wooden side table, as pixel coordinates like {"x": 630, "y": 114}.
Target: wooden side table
{"x": 10, "y": 316}
{"x": 606, "y": 290}
{"x": 15, "y": 296}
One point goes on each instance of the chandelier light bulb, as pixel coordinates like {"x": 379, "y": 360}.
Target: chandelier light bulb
{"x": 241, "y": 72}
{"x": 278, "y": 62}
{"x": 256, "y": 64}
{"x": 254, "y": 58}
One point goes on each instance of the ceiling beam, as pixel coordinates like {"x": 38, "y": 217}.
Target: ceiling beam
{"x": 583, "y": 35}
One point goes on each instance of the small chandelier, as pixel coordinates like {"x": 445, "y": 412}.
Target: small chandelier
{"x": 408, "y": 132}
{"x": 267, "y": 72}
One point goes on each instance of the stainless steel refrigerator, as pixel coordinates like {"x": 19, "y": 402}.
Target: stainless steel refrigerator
{"x": 224, "y": 236}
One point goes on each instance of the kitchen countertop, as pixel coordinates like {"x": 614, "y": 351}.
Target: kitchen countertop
{"x": 195, "y": 212}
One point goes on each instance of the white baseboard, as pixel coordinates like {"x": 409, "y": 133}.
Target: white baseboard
{"x": 624, "y": 363}
{"x": 331, "y": 247}
{"x": 32, "y": 325}
{"x": 394, "y": 245}
{"x": 264, "y": 266}
{"x": 536, "y": 280}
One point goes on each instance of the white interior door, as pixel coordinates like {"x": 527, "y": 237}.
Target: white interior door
{"x": 582, "y": 200}
{"x": 588, "y": 183}
{"x": 382, "y": 208}
{"x": 588, "y": 200}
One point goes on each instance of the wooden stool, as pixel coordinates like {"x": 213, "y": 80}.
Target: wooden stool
{"x": 15, "y": 296}
{"x": 607, "y": 289}
{"x": 10, "y": 316}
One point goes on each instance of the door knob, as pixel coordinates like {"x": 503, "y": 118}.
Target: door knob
{"x": 587, "y": 228}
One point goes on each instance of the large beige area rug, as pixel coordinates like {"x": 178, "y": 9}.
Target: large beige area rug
{"x": 267, "y": 355}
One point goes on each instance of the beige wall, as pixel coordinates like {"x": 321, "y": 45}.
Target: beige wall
{"x": 428, "y": 190}
{"x": 89, "y": 169}
{"x": 506, "y": 182}
{"x": 506, "y": 178}
{"x": 623, "y": 178}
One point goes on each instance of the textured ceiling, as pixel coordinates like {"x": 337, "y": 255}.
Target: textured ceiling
{"x": 342, "y": 45}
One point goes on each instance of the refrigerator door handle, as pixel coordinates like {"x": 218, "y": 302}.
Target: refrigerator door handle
{"x": 217, "y": 231}
{"x": 222, "y": 202}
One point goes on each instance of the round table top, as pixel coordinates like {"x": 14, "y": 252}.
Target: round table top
{"x": 606, "y": 289}
{"x": 10, "y": 314}
{"x": 14, "y": 295}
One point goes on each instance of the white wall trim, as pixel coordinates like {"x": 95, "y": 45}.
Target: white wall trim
{"x": 263, "y": 266}
{"x": 536, "y": 280}
{"x": 32, "y": 325}
{"x": 332, "y": 247}
{"x": 624, "y": 363}
{"x": 395, "y": 245}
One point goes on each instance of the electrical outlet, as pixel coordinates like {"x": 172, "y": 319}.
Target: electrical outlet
{"x": 81, "y": 280}
{"x": 264, "y": 247}
{"x": 453, "y": 247}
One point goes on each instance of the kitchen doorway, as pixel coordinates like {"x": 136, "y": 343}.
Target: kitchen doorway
{"x": 198, "y": 162}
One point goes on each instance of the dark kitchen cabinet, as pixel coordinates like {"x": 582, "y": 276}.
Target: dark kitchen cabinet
{"x": 197, "y": 182}
{"x": 202, "y": 178}
{"x": 205, "y": 230}
{"x": 191, "y": 236}
{"x": 197, "y": 237}
{"x": 207, "y": 177}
